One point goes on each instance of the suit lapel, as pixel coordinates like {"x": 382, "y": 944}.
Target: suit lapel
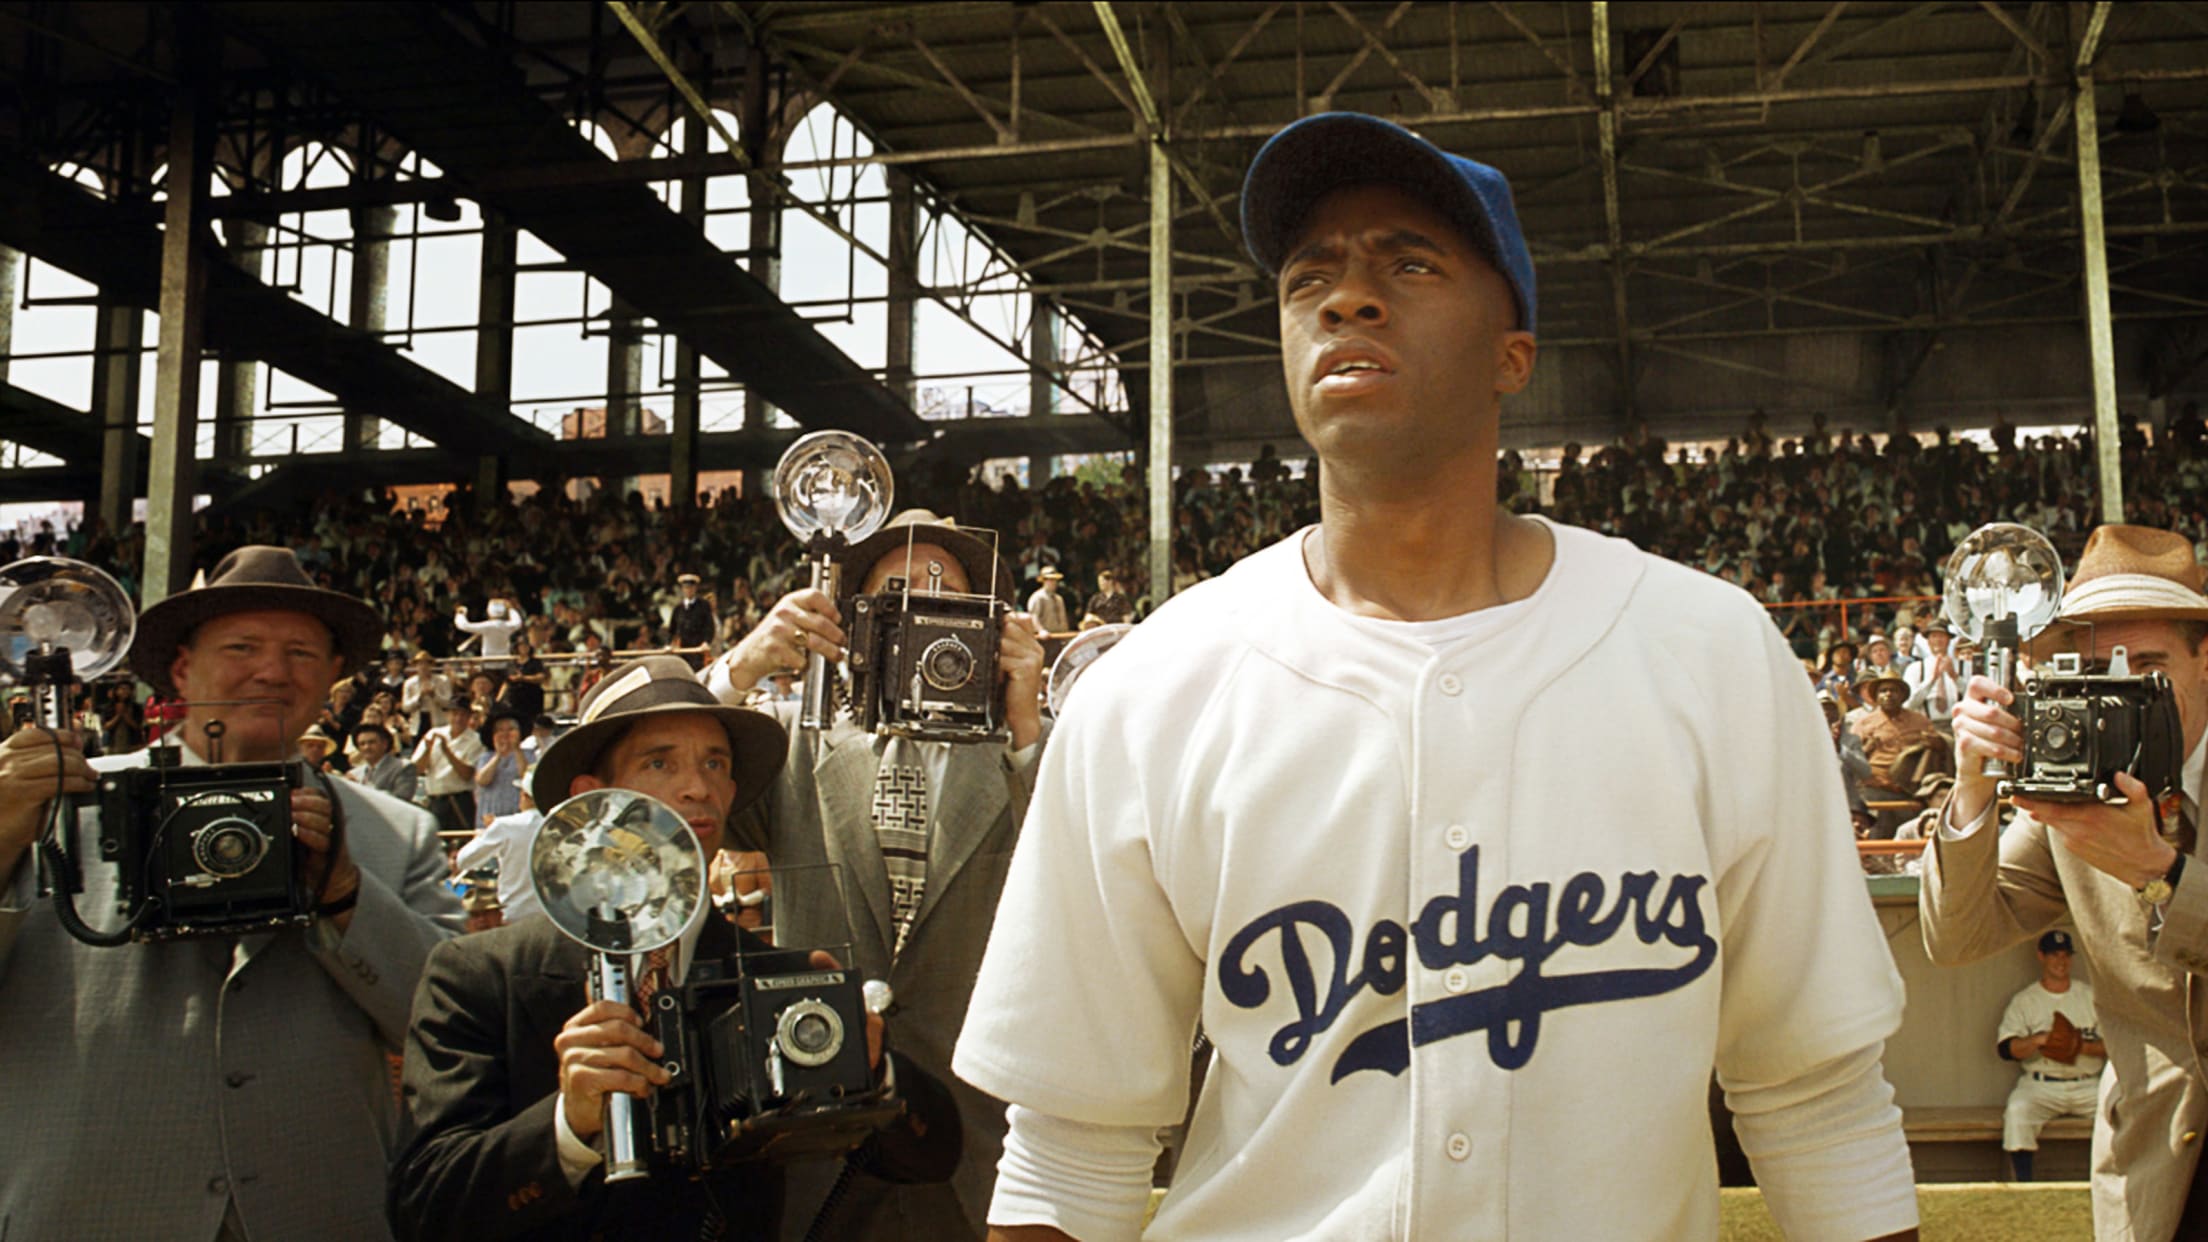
{"x": 844, "y": 777}
{"x": 967, "y": 808}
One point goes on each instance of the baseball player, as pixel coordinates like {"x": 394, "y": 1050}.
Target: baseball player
{"x": 2061, "y": 1059}
{"x": 1432, "y": 814}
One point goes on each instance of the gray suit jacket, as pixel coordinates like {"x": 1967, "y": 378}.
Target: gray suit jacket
{"x": 820, "y": 813}
{"x": 254, "y": 1068}
{"x": 1981, "y": 895}
{"x": 394, "y": 776}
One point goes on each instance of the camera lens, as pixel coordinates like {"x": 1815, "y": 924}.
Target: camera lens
{"x": 810, "y": 1033}
{"x": 947, "y": 664}
{"x": 228, "y": 848}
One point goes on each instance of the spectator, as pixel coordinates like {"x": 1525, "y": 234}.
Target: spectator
{"x": 447, "y": 757}
{"x": 426, "y": 696}
{"x": 525, "y": 682}
{"x": 1046, "y": 605}
{"x": 496, "y": 630}
{"x": 1936, "y": 681}
{"x": 1110, "y": 605}
{"x": 380, "y": 768}
{"x": 500, "y": 774}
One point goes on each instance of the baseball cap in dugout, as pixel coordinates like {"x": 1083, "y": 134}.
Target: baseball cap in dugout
{"x": 2056, "y": 942}
{"x": 1304, "y": 162}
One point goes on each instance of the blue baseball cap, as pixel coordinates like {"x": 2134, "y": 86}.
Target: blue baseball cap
{"x": 2055, "y": 942}
{"x": 1302, "y": 163}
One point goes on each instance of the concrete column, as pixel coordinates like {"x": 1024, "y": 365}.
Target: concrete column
{"x": 682, "y": 453}
{"x": 2085, "y": 124}
{"x": 494, "y": 340}
{"x": 116, "y": 331}
{"x": 171, "y": 473}
{"x": 1161, "y": 373}
{"x": 624, "y": 380}
{"x": 1042, "y": 379}
{"x": 372, "y": 229}
{"x": 238, "y": 379}
{"x": 11, "y": 267}
{"x": 904, "y": 282}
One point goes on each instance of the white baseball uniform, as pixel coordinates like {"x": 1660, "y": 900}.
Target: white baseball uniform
{"x": 2047, "y": 1088}
{"x": 1468, "y": 910}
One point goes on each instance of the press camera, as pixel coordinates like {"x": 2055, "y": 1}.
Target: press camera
{"x": 202, "y": 851}
{"x": 767, "y": 1062}
{"x": 2081, "y": 728}
{"x": 924, "y": 664}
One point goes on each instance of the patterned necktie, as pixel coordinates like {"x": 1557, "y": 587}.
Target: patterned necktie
{"x": 652, "y": 978}
{"x": 901, "y": 824}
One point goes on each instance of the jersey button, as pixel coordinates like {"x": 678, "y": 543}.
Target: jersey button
{"x": 1457, "y": 980}
{"x": 1457, "y": 836}
{"x": 1450, "y": 685}
{"x": 1460, "y": 1147}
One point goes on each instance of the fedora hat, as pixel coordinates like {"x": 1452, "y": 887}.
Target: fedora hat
{"x": 1051, "y": 573}
{"x": 1872, "y": 676}
{"x": 977, "y": 556}
{"x": 657, "y": 685}
{"x": 2128, "y": 573}
{"x": 255, "y": 578}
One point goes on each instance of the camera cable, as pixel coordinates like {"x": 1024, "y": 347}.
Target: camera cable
{"x": 62, "y": 866}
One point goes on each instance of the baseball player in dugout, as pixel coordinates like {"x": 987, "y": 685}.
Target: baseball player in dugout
{"x": 509, "y": 1062}
{"x": 2121, "y": 874}
{"x": 249, "y": 1070}
{"x": 2051, "y": 1032}
{"x": 1429, "y": 814}
{"x": 923, "y": 833}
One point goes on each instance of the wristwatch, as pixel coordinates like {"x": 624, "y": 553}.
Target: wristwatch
{"x": 2156, "y": 892}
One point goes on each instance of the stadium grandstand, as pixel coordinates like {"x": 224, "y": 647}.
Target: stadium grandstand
{"x": 499, "y": 316}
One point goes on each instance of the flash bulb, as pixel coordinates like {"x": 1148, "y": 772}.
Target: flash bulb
{"x": 833, "y": 483}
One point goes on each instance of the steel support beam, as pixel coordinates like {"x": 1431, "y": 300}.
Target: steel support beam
{"x": 682, "y": 452}
{"x": 1161, "y": 374}
{"x": 2086, "y": 127}
{"x": 171, "y": 470}
{"x": 1042, "y": 379}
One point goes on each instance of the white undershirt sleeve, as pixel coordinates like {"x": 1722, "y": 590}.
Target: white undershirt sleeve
{"x": 1828, "y": 1150}
{"x": 1091, "y": 1182}
{"x": 577, "y": 1158}
{"x": 1952, "y": 831}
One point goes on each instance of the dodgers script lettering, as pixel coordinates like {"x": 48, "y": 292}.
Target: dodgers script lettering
{"x": 1527, "y": 924}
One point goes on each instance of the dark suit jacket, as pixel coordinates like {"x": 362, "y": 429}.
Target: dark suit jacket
{"x": 481, "y": 1160}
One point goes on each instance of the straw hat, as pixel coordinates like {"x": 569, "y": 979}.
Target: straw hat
{"x": 656, "y": 685}
{"x": 2129, "y": 573}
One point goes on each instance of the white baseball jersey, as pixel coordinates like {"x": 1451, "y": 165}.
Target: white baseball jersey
{"x": 1467, "y": 925}
{"x": 2033, "y": 1010}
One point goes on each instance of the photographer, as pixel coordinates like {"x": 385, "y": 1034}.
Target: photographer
{"x": 509, "y": 1063}
{"x": 923, "y": 832}
{"x": 2139, "y": 901}
{"x": 254, "y": 1064}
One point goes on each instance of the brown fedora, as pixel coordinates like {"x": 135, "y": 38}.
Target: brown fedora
{"x": 977, "y": 556}
{"x": 255, "y": 578}
{"x": 652, "y": 686}
{"x": 2129, "y": 573}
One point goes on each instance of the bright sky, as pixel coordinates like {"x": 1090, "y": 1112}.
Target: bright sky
{"x": 556, "y": 366}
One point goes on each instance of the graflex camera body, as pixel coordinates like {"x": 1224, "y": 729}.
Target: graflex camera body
{"x": 766, "y": 1062}
{"x": 2081, "y": 729}
{"x": 924, "y": 664}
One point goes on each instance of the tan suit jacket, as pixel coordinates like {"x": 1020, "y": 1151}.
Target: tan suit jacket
{"x": 1983, "y": 893}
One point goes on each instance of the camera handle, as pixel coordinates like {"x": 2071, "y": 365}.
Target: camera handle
{"x": 52, "y": 679}
{"x": 2000, "y": 644}
{"x": 819, "y": 708}
{"x": 623, "y": 1145}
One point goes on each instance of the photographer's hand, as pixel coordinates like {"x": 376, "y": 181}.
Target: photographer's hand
{"x": 325, "y": 867}
{"x": 801, "y": 623}
{"x": 745, "y": 874}
{"x": 27, "y": 766}
{"x": 1020, "y": 663}
{"x": 603, "y": 1049}
{"x": 2118, "y": 840}
{"x": 1983, "y": 730}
